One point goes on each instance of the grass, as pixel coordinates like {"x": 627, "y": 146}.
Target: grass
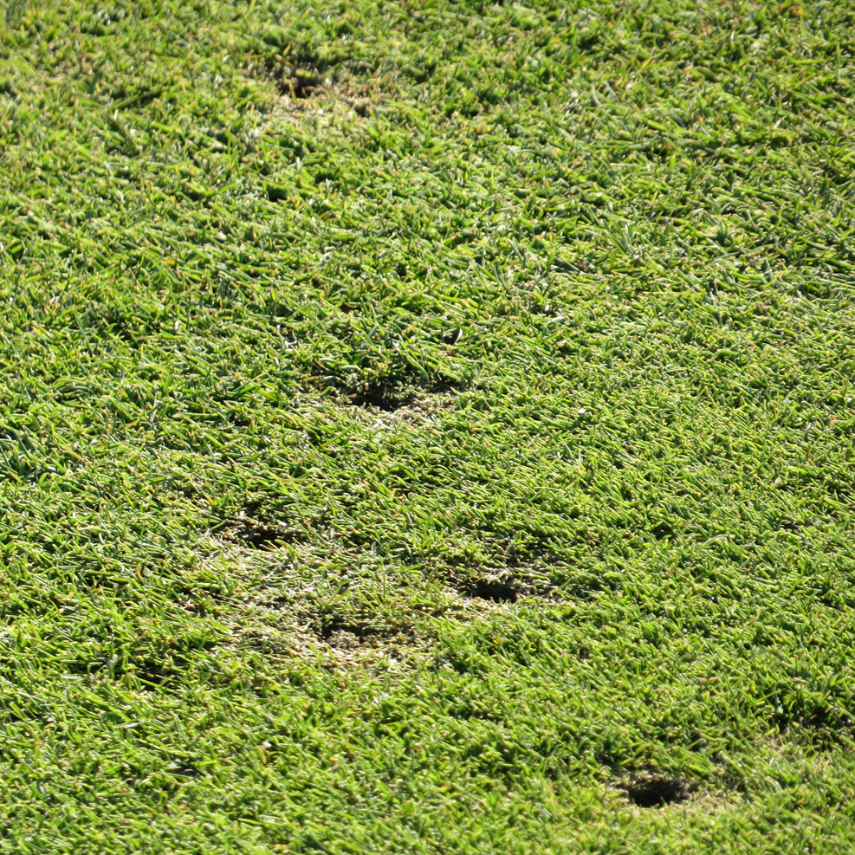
{"x": 427, "y": 427}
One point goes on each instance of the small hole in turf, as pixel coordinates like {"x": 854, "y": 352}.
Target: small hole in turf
{"x": 334, "y": 627}
{"x": 656, "y": 791}
{"x": 304, "y": 83}
{"x": 346, "y": 635}
{"x": 260, "y": 536}
{"x": 381, "y": 399}
{"x": 343, "y": 639}
{"x": 498, "y": 592}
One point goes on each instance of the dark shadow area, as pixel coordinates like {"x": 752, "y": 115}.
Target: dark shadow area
{"x": 821, "y": 726}
{"x": 487, "y": 589}
{"x": 392, "y": 394}
{"x": 332, "y": 627}
{"x": 300, "y": 82}
{"x": 656, "y": 790}
{"x": 299, "y": 74}
{"x": 350, "y": 634}
{"x": 260, "y": 536}
{"x": 381, "y": 398}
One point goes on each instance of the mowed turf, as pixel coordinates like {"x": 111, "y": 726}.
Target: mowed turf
{"x": 427, "y": 427}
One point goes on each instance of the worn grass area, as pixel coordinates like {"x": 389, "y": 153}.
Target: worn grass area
{"x": 427, "y": 427}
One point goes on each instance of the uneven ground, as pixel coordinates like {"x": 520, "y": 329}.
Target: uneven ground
{"x": 427, "y": 427}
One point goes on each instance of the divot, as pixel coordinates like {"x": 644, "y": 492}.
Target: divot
{"x": 393, "y": 395}
{"x": 487, "y": 589}
{"x": 655, "y": 790}
{"x": 502, "y": 587}
{"x": 380, "y": 399}
{"x": 342, "y": 639}
{"x": 264, "y": 536}
{"x": 351, "y": 634}
{"x": 297, "y": 76}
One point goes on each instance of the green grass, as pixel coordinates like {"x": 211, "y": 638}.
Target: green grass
{"x": 552, "y": 303}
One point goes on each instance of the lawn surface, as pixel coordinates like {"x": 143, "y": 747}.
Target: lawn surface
{"x": 427, "y": 427}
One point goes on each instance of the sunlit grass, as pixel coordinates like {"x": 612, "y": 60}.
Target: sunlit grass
{"x": 426, "y": 428}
